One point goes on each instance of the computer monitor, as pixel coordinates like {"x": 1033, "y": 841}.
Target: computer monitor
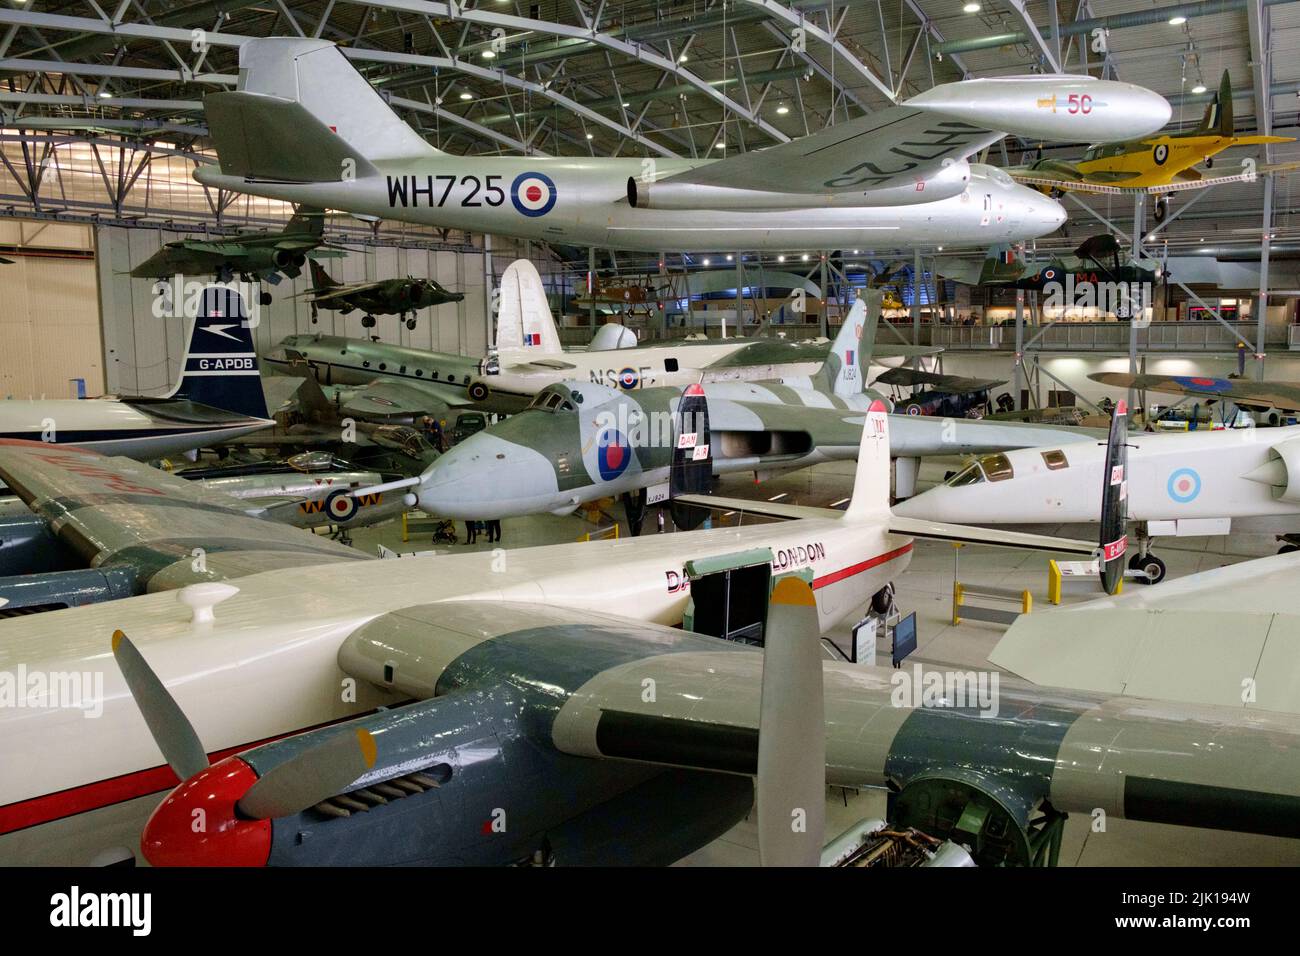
{"x": 904, "y": 638}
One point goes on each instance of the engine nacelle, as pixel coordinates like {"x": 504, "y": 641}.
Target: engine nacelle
{"x": 1281, "y": 472}
{"x": 950, "y": 181}
{"x": 286, "y": 258}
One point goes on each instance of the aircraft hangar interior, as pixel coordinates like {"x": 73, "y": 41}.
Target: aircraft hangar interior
{"x": 706, "y": 433}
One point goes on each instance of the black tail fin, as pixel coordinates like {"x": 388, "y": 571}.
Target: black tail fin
{"x": 220, "y": 366}
{"x": 1218, "y": 120}
{"x": 306, "y": 219}
{"x": 691, "y": 472}
{"x": 320, "y": 279}
{"x": 1114, "y": 501}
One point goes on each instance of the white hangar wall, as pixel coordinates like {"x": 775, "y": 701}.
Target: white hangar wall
{"x": 49, "y": 312}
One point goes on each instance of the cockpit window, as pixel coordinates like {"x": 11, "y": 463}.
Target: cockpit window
{"x": 551, "y": 401}
{"x": 1055, "y": 460}
{"x": 996, "y": 467}
{"x": 970, "y": 475}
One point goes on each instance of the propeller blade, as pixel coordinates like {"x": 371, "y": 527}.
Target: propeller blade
{"x": 317, "y": 773}
{"x": 171, "y": 730}
{"x": 791, "y": 786}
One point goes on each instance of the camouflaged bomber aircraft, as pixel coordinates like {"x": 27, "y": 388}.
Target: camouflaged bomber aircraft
{"x": 465, "y": 710}
{"x": 579, "y": 441}
{"x": 304, "y": 126}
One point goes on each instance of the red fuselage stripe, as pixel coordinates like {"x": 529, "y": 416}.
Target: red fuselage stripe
{"x": 105, "y": 793}
{"x": 867, "y": 565}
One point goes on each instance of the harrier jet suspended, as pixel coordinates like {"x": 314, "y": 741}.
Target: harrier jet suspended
{"x": 261, "y": 255}
{"x": 402, "y": 297}
{"x": 305, "y": 126}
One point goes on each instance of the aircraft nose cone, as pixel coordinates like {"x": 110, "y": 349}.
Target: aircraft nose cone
{"x": 487, "y": 477}
{"x": 933, "y": 505}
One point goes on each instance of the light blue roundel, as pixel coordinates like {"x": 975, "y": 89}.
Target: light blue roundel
{"x": 1184, "y": 485}
{"x": 533, "y": 194}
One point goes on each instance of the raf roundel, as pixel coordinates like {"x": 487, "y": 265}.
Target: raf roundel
{"x": 341, "y": 506}
{"x": 533, "y": 194}
{"x": 1184, "y": 485}
{"x": 1201, "y": 384}
{"x": 628, "y": 378}
{"x": 612, "y": 455}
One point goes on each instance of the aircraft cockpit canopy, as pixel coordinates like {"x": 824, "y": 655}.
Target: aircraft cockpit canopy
{"x": 553, "y": 398}
{"x": 983, "y": 468}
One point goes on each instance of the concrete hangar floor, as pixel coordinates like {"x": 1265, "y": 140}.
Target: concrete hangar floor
{"x": 926, "y": 587}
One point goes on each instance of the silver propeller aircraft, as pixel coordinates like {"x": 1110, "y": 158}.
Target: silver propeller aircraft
{"x": 305, "y": 126}
{"x": 392, "y": 382}
{"x": 465, "y": 710}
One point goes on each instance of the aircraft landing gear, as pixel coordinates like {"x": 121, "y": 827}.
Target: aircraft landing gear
{"x": 1144, "y": 560}
{"x": 314, "y": 316}
{"x": 1161, "y": 209}
{"x": 1290, "y": 543}
{"x": 634, "y": 510}
{"x": 882, "y": 602}
{"x": 264, "y": 298}
{"x": 367, "y": 321}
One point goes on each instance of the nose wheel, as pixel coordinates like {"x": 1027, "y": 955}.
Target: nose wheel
{"x": 367, "y": 321}
{"x": 882, "y": 602}
{"x": 1150, "y": 565}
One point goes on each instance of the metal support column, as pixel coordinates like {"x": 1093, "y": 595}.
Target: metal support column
{"x": 591, "y": 289}
{"x": 489, "y": 288}
{"x": 825, "y": 325}
{"x": 1139, "y": 210}
{"x": 916, "y": 303}
{"x": 1018, "y": 372}
{"x": 1261, "y": 304}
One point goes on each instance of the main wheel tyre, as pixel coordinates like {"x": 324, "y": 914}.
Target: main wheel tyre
{"x": 264, "y": 298}
{"x": 883, "y": 599}
{"x": 410, "y": 324}
{"x": 1154, "y": 569}
{"x": 368, "y": 322}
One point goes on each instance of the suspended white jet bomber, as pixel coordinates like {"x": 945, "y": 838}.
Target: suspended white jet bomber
{"x": 304, "y": 126}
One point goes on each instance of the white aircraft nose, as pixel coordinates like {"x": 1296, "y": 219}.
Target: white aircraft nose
{"x": 486, "y": 477}
{"x": 936, "y": 504}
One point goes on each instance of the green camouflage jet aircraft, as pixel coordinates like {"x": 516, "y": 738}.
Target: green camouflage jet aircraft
{"x": 402, "y": 297}
{"x": 262, "y": 255}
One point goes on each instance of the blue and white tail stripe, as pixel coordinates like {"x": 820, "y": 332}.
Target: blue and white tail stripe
{"x": 220, "y": 367}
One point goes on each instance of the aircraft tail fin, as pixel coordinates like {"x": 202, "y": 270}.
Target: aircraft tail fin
{"x": 220, "y": 365}
{"x": 524, "y": 321}
{"x": 320, "y": 279}
{"x": 1001, "y": 264}
{"x": 845, "y": 369}
{"x": 870, "y": 499}
{"x": 1114, "y": 501}
{"x": 1218, "y": 120}
{"x": 302, "y": 113}
{"x": 306, "y": 219}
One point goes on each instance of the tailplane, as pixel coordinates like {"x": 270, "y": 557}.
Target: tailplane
{"x": 302, "y": 113}
{"x": 870, "y": 499}
{"x": 524, "y": 321}
{"x": 220, "y": 365}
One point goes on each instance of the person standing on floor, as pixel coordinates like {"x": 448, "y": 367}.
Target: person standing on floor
{"x": 494, "y": 530}
{"x": 471, "y": 532}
